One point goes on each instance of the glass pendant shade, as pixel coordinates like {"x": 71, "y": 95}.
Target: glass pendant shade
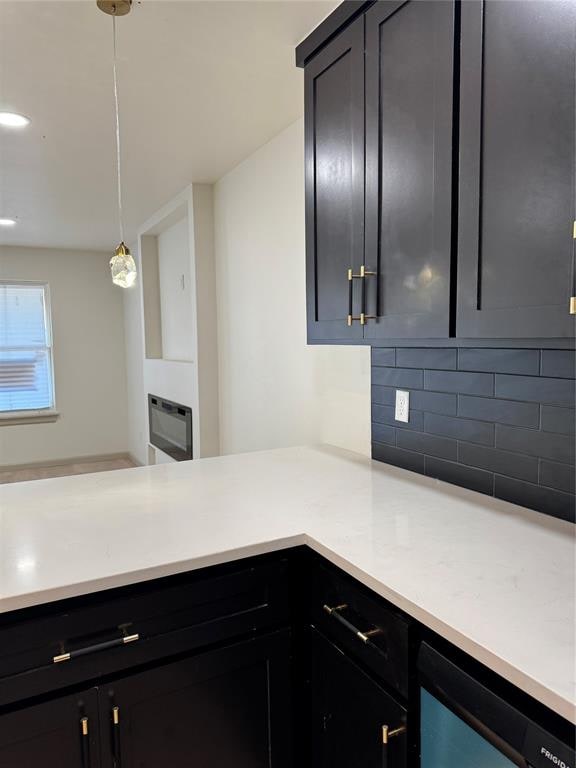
{"x": 123, "y": 267}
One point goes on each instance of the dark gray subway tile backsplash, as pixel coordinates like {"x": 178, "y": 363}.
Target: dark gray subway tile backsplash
{"x": 434, "y": 402}
{"x": 500, "y": 360}
{"x": 543, "y": 444}
{"x": 441, "y": 447}
{"x": 502, "y": 411}
{"x": 558, "y": 362}
{"x": 458, "y": 474}
{"x": 442, "y": 359}
{"x": 384, "y": 414}
{"x": 537, "y": 497}
{"x": 498, "y": 421}
{"x": 463, "y": 429}
{"x": 559, "y": 476}
{"x": 504, "y": 462}
{"x": 398, "y": 457}
{"x": 397, "y": 377}
{"x": 538, "y": 389}
{"x": 384, "y": 357}
{"x": 562, "y": 420}
{"x": 456, "y": 381}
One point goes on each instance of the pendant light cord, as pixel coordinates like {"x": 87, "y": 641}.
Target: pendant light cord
{"x": 118, "y": 162}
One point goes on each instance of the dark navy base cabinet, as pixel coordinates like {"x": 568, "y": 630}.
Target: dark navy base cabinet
{"x": 320, "y": 673}
{"x": 186, "y": 670}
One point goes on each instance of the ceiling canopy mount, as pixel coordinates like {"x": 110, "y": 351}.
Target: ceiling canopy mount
{"x": 115, "y": 7}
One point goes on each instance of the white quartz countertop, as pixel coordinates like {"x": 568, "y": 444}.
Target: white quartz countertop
{"x": 495, "y": 579}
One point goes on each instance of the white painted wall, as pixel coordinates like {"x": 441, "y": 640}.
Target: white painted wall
{"x": 275, "y": 390}
{"x": 134, "y": 343}
{"x": 183, "y": 228}
{"x": 89, "y": 363}
{"x": 176, "y": 307}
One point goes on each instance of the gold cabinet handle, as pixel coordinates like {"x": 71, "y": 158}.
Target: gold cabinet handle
{"x": 116, "y": 750}
{"x": 330, "y": 610}
{"x": 334, "y": 611}
{"x": 362, "y": 317}
{"x": 387, "y": 734}
{"x": 124, "y": 640}
{"x": 84, "y": 742}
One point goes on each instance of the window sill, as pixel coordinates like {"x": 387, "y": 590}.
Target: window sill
{"x": 13, "y": 418}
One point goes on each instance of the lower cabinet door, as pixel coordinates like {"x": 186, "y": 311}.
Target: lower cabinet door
{"x": 60, "y": 733}
{"x": 228, "y": 707}
{"x": 355, "y": 722}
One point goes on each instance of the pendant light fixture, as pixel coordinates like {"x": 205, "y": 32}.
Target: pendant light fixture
{"x": 122, "y": 265}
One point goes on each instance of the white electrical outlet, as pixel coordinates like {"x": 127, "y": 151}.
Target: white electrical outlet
{"x": 402, "y": 409}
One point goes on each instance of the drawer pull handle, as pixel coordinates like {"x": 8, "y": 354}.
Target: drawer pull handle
{"x": 387, "y": 734}
{"x": 95, "y": 648}
{"x": 334, "y": 611}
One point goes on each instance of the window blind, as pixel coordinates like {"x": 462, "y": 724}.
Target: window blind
{"x": 26, "y": 378}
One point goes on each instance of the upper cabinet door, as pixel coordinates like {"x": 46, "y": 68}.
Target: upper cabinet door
{"x": 409, "y": 95}
{"x": 334, "y": 127}
{"x": 517, "y": 169}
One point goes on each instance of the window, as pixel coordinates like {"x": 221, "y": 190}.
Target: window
{"x": 26, "y": 377}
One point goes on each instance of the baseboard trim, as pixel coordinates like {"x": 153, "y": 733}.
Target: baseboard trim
{"x": 133, "y": 459}
{"x": 72, "y": 460}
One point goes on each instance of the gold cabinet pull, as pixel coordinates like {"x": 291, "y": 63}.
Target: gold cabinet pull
{"x": 124, "y": 640}
{"x": 362, "y": 275}
{"x": 330, "y": 610}
{"x": 573, "y": 305}
{"x": 84, "y": 742}
{"x": 389, "y": 733}
{"x": 367, "y": 636}
{"x": 334, "y": 611}
{"x": 116, "y": 749}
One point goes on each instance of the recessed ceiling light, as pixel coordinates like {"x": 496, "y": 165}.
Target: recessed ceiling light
{"x": 13, "y": 120}
{"x": 7, "y": 222}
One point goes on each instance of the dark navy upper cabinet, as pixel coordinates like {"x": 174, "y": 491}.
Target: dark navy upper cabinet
{"x": 409, "y": 95}
{"x": 334, "y": 126}
{"x": 517, "y": 169}
{"x": 440, "y": 168}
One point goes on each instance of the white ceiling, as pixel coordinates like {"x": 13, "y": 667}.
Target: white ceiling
{"x": 202, "y": 85}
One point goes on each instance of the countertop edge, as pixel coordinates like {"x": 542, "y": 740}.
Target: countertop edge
{"x": 512, "y": 674}
{"x": 128, "y": 578}
{"x": 509, "y": 672}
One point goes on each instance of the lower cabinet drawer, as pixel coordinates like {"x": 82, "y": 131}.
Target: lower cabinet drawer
{"x": 211, "y": 709}
{"x": 354, "y": 721}
{"x": 361, "y": 625}
{"x": 65, "y": 643}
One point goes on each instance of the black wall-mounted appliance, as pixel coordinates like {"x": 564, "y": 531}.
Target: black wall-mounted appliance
{"x": 170, "y": 426}
{"x": 465, "y": 724}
